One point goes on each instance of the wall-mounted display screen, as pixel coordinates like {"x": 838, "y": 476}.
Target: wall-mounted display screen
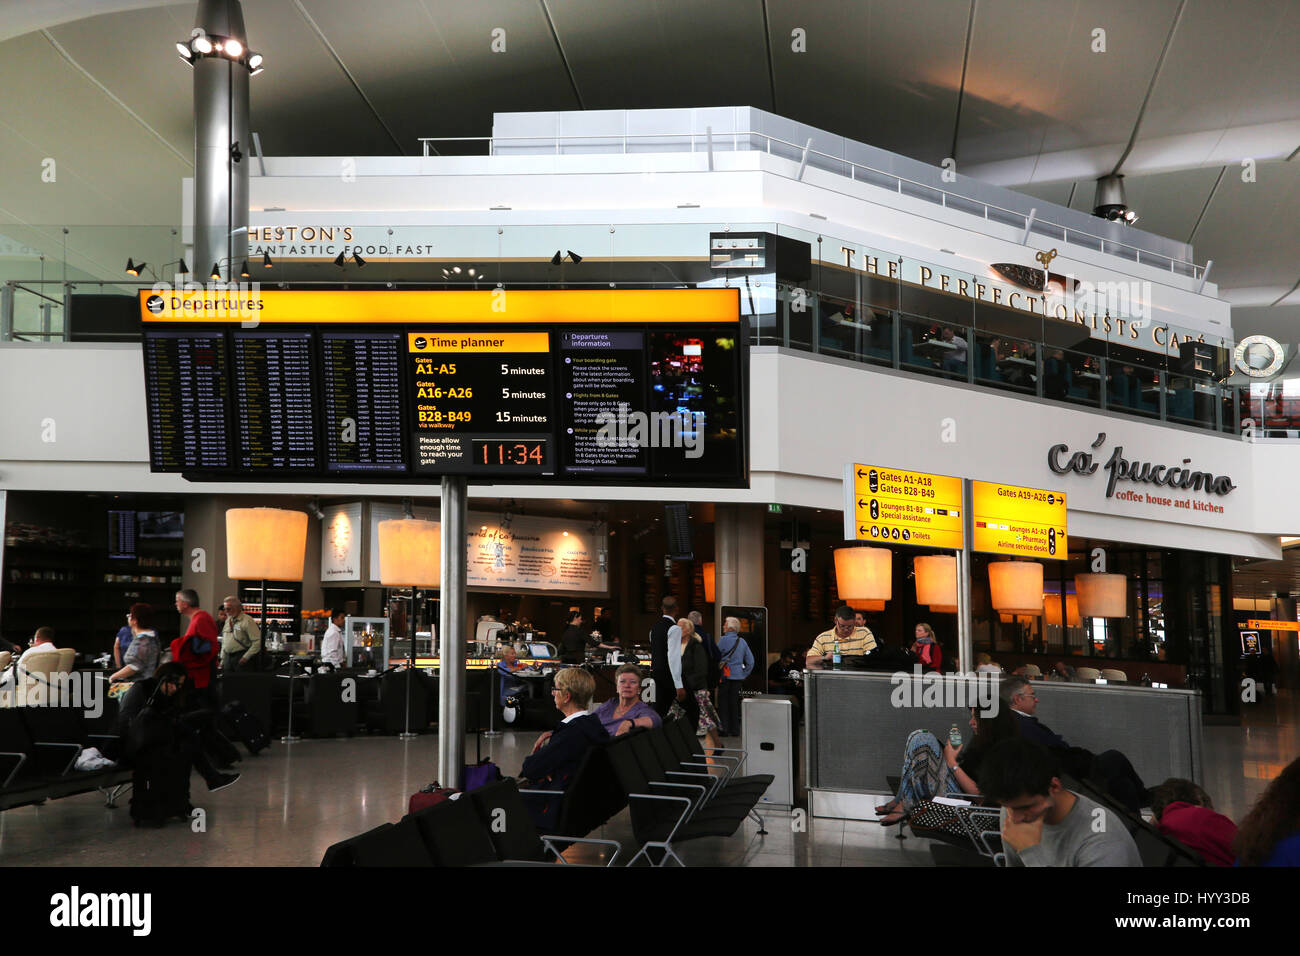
{"x": 577, "y": 387}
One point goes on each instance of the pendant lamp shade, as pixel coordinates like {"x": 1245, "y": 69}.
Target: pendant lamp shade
{"x": 936, "y": 582}
{"x": 1102, "y": 595}
{"x": 709, "y": 569}
{"x": 1052, "y": 610}
{"x": 864, "y": 576}
{"x": 410, "y": 553}
{"x": 1016, "y": 586}
{"x": 869, "y": 606}
{"x": 267, "y": 544}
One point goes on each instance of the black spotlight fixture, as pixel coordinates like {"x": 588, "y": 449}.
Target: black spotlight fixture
{"x": 181, "y": 267}
{"x": 555, "y": 259}
{"x": 574, "y": 257}
{"x": 243, "y": 270}
{"x": 201, "y": 45}
{"x": 1111, "y": 203}
{"x": 216, "y": 271}
{"x": 132, "y": 269}
{"x": 361, "y": 263}
{"x": 339, "y": 260}
{"x": 266, "y": 260}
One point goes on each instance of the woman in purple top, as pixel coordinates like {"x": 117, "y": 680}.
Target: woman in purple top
{"x": 620, "y": 714}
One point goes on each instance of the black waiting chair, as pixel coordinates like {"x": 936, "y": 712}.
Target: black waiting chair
{"x": 512, "y": 832}
{"x": 452, "y": 834}
{"x": 343, "y": 853}
{"x": 399, "y": 845}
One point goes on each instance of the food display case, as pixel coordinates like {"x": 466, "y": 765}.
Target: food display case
{"x": 367, "y": 643}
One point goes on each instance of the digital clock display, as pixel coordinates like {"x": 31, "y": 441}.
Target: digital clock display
{"x": 495, "y": 453}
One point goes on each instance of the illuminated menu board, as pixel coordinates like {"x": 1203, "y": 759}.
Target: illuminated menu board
{"x": 187, "y": 381}
{"x": 902, "y": 507}
{"x": 1009, "y": 519}
{"x": 274, "y": 400}
{"x": 592, "y": 386}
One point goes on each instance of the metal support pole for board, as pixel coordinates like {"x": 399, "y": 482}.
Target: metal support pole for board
{"x": 451, "y": 620}
{"x": 406, "y": 734}
{"x": 965, "y": 630}
{"x": 494, "y": 698}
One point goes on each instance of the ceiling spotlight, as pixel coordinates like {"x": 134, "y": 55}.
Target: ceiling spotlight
{"x": 255, "y": 60}
{"x": 181, "y": 267}
{"x": 201, "y": 44}
{"x": 216, "y": 272}
{"x": 358, "y": 260}
{"x": 255, "y": 72}
{"x": 1110, "y": 203}
{"x": 446, "y": 273}
{"x": 456, "y": 269}
{"x": 575, "y": 257}
{"x": 243, "y": 271}
{"x": 234, "y": 49}
{"x": 184, "y": 51}
{"x": 555, "y": 259}
{"x": 470, "y": 272}
{"x": 338, "y": 260}
{"x": 266, "y": 260}
{"x": 132, "y": 269}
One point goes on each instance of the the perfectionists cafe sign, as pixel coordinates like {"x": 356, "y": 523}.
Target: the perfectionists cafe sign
{"x": 1177, "y": 477}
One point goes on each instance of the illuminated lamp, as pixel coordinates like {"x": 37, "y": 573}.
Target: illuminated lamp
{"x": 201, "y": 44}
{"x": 936, "y": 581}
{"x": 1102, "y": 595}
{"x": 410, "y": 553}
{"x": 234, "y": 49}
{"x": 710, "y": 568}
{"x": 216, "y": 272}
{"x": 268, "y": 544}
{"x": 1016, "y": 587}
{"x": 864, "y": 577}
{"x": 1052, "y": 610}
{"x": 255, "y": 60}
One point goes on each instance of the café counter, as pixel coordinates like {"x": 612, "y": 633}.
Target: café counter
{"x": 857, "y": 724}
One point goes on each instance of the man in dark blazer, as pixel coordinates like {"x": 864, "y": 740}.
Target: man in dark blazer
{"x": 558, "y": 753}
{"x": 666, "y": 689}
{"x": 1024, "y": 707}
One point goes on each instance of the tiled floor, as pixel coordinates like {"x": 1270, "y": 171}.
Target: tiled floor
{"x": 294, "y": 801}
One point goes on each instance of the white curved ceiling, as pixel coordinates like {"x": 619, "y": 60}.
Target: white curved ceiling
{"x": 1012, "y": 89}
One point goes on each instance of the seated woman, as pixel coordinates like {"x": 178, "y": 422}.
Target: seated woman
{"x": 557, "y": 754}
{"x": 627, "y": 710}
{"x": 141, "y": 657}
{"x": 932, "y": 771}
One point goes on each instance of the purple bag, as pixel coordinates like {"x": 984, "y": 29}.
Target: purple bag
{"x": 480, "y": 775}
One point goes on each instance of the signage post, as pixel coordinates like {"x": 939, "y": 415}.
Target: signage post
{"x": 965, "y": 617}
{"x": 451, "y": 622}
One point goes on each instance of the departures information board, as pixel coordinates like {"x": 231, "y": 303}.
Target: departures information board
{"x": 592, "y": 386}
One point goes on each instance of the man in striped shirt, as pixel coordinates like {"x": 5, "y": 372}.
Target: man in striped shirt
{"x": 851, "y": 638}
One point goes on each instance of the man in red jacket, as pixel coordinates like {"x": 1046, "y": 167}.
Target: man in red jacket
{"x": 197, "y": 647}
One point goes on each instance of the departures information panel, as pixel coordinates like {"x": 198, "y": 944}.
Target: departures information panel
{"x": 636, "y": 387}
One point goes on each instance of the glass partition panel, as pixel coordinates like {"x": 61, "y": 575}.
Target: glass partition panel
{"x": 941, "y": 348}
{"x": 1006, "y": 362}
{"x": 1070, "y": 376}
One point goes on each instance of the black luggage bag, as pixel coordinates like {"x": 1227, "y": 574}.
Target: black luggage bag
{"x": 238, "y": 724}
{"x": 160, "y": 786}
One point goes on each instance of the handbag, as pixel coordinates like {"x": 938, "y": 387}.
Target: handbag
{"x": 726, "y": 668}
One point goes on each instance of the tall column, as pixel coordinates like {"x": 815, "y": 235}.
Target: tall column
{"x": 220, "y": 123}
{"x": 452, "y": 633}
{"x": 738, "y": 558}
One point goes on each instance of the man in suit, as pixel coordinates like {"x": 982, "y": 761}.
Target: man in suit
{"x": 668, "y": 679}
{"x": 1110, "y": 769}
{"x": 1024, "y": 707}
{"x": 558, "y": 753}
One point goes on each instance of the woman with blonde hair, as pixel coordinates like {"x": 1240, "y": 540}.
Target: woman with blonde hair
{"x": 698, "y": 707}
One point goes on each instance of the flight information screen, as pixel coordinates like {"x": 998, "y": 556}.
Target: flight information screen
{"x": 633, "y": 386}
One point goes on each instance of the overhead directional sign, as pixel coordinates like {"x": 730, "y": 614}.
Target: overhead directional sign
{"x": 902, "y": 507}
{"x": 1273, "y": 625}
{"x": 1009, "y": 519}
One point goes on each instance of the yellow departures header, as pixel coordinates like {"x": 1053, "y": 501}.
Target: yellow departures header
{"x": 492, "y": 306}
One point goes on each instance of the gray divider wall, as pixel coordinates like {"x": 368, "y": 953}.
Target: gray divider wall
{"x": 855, "y": 735}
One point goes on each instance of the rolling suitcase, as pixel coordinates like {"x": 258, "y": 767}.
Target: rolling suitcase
{"x": 160, "y": 786}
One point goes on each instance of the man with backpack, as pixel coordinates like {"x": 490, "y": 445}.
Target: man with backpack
{"x": 737, "y": 663}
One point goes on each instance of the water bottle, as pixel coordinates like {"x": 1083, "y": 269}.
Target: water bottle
{"x": 954, "y": 737}
{"x": 835, "y": 656}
